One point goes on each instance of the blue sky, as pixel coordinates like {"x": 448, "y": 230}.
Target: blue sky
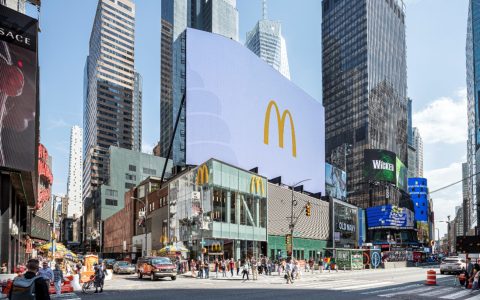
{"x": 436, "y": 31}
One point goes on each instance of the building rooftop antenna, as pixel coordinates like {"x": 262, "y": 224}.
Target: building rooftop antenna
{"x": 264, "y": 9}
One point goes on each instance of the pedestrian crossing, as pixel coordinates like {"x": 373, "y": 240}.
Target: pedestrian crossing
{"x": 389, "y": 289}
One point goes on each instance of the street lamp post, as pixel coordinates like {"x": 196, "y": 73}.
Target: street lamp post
{"x": 292, "y": 216}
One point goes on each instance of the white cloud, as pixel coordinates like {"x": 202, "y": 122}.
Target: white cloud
{"x": 444, "y": 201}
{"x": 57, "y": 123}
{"x": 444, "y": 120}
{"x": 147, "y": 148}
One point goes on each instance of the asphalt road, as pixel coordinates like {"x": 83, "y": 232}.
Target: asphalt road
{"x": 404, "y": 283}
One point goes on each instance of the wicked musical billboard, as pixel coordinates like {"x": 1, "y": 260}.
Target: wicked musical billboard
{"x": 18, "y": 90}
{"x": 380, "y": 165}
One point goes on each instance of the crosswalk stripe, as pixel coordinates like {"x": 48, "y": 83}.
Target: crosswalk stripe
{"x": 439, "y": 291}
{"x": 414, "y": 291}
{"x": 332, "y": 283}
{"x": 391, "y": 289}
{"x": 364, "y": 286}
{"x": 456, "y": 295}
{"x": 477, "y": 297}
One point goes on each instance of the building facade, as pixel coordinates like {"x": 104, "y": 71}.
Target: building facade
{"x": 473, "y": 88}
{"x": 18, "y": 5}
{"x": 74, "y": 184}
{"x": 217, "y": 16}
{"x": 311, "y": 233}
{"x": 466, "y": 199}
{"x": 364, "y": 86}
{"x": 109, "y": 84}
{"x": 267, "y": 42}
{"x": 137, "y": 112}
{"x": 418, "y": 145}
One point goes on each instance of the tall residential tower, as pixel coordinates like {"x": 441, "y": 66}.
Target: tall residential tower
{"x": 365, "y": 87}
{"x": 217, "y": 16}
{"x": 109, "y": 88}
{"x": 74, "y": 185}
{"x": 267, "y": 42}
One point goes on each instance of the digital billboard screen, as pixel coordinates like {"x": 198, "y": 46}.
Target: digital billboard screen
{"x": 401, "y": 174}
{"x": 389, "y": 216}
{"x": 243, "y": 112}
{"x": 335, "y": 182}
{"x": 380, "y": 165}
{"x": 18, "y": 90}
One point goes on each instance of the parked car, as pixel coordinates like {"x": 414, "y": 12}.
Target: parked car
{"x": 123, "y": 267}
{"x": 109, "y": 262}
{"x": 156, "y": 267}
{"x": 452, "y": 264}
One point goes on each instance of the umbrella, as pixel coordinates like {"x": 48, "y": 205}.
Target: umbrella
{"x": 173, "y": 249}
{"x": 49, "y": 247}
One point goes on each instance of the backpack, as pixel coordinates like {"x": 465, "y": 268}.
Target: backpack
{"x": 24, "y": 289}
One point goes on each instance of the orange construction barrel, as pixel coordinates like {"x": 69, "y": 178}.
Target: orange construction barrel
{"x": 431, "y": 277}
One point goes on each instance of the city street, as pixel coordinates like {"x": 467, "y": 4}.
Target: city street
{"x": 403, "y": 283}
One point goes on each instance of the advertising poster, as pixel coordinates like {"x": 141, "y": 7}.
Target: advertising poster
{"x": 401, "y": 174}
{"x": 380, "y": 165}
{"x": 389, "y": 216}
{"x": 18, "y": 90}
{"x": 243, "y": 112}
{"x": 422, "y": 233}
{"x": 335, "y": 182}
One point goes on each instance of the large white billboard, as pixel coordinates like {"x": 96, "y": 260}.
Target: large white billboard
{"x": 243, "y": 112}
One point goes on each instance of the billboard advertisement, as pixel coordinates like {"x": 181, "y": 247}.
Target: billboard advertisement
{"x": 241, "y": 111}
{"x": 335, "y": 182}
{"x": 380, "y": 165}
{"x": 18, "y": 90}
{"x": 401, "y": 175}
{"x": 423, "y": 232}
{"x": 389, "y": 216}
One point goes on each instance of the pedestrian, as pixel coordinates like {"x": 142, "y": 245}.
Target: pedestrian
{"x": 4, "y": 269}
{"x": 46, "y": 273}
{"x": 469, "y": 271}
{"x": 245, "y": 270}
{"x": 224, "y": 268}
{"x": 311, "y": 263}
{"x": 206, "y": 269}
{"x": 232, "y": 266}
{"x": 99, "y": 277}
{"x": 296, "y": 270}
{"x": 200, "y": 269}
{"x": 217, "y": 266}
{"x": 254, "y": 264}
{"x": 37, "y": 289}
{"x": 476, "y": 273}
{"x": 320, "y": 264}
{"x": 288, "y": 272}
{"x": 237, "y": 265}
{"x": 58, "y": 279}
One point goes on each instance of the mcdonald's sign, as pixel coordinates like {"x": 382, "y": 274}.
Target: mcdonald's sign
{"x": 215, "y": 247}
{"x": 202, "y": 175}
{"x": 256, "y": 186}
{"x": 281, "y": 126}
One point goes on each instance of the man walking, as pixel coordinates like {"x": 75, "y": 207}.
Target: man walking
{"x": 58, "y": 279}
{"x": 469, "y": 271}
{"x": 246, "y": 268}
{"x": 46, "y": 273}
{"x": 288, "y": 271}
{"x": 232, "y": 266}
{"x": 254, "y": 269}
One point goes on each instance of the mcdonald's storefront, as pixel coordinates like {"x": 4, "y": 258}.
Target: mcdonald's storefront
{"x": 220, "y": 210}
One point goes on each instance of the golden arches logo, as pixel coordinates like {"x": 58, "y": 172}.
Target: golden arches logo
{"x": 256, "y": 186}
{"x": 215, "y": 247}
{"x": 202, "y": 175}
{"x": 281, "y": 126}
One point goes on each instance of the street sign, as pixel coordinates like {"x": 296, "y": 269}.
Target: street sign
{"x": 195, "y": 195}
{"x": 376, "y": 259}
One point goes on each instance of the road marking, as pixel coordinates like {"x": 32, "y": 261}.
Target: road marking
{"x": 414, "y": 291}
{"x": 439, "y": 291}
{"x": 456, "y": 295}
{"x": 477, "y": 297}
{"x": 367, "y": 286}
{"x": 391, "y": 289}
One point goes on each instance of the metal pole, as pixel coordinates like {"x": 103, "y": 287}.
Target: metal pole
{"x": 53, "y": 231}
{"x": 292, "y": 225}
{"x": 146, "y": 212}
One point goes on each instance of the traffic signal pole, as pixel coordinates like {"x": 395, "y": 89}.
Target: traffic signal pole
{"x": 293, "y": 218}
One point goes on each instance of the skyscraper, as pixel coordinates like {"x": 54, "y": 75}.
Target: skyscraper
{"x": 109, "y": 84}
{"x": 267, "y": 42}
{"x": 217, "y": 16}
{"x": 466, "y": 198}
{"x": 74, "y": 185}
{"x": 137, "y": 112}
{"x": 18, "y": 5}
{"x": 418, "y": 145}
{"x": 365, "y": 87}
{"x": 473, "y": 89}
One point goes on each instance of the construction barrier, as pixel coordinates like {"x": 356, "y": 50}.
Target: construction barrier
{"x": 431, "y": 277}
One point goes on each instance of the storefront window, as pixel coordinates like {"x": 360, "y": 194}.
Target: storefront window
{"x": 262, "y": 212}
{"x": 219, "y": 212}
{"x": 233, "y": 200}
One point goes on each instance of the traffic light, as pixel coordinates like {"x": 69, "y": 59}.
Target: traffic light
{"x": 308, "y": 211}
{"x": 288, "y": 239}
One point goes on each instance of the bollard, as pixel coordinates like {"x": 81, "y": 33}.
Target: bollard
{"x": 431, "y": 277}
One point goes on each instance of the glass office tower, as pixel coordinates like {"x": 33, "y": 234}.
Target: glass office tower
{"x": 365, "y": 87}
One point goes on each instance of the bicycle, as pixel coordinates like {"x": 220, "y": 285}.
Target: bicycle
{"x": 87, "y": 287}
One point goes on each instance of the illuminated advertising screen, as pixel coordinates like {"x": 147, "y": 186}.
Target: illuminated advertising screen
{"x": 389, "y": 216}
{"x": 401, "y": 174}
{"x": 241, "y": 111}
{"x": 18, "y": 90}
{"x": 380, "y": 165}
{"x": 335, "y": 182}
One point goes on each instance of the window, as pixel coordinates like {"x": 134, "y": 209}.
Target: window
{"x": 149, "y": 171}
{"x": 130, "y": 177}
{"x": 129, "y": 185}
{"x": 124, "y": 6}
{"x": 112, "y": 193}
{"x": 233, "y": 205}
{"x": 219, "y": 211}
{"x": 111, "y": 202}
